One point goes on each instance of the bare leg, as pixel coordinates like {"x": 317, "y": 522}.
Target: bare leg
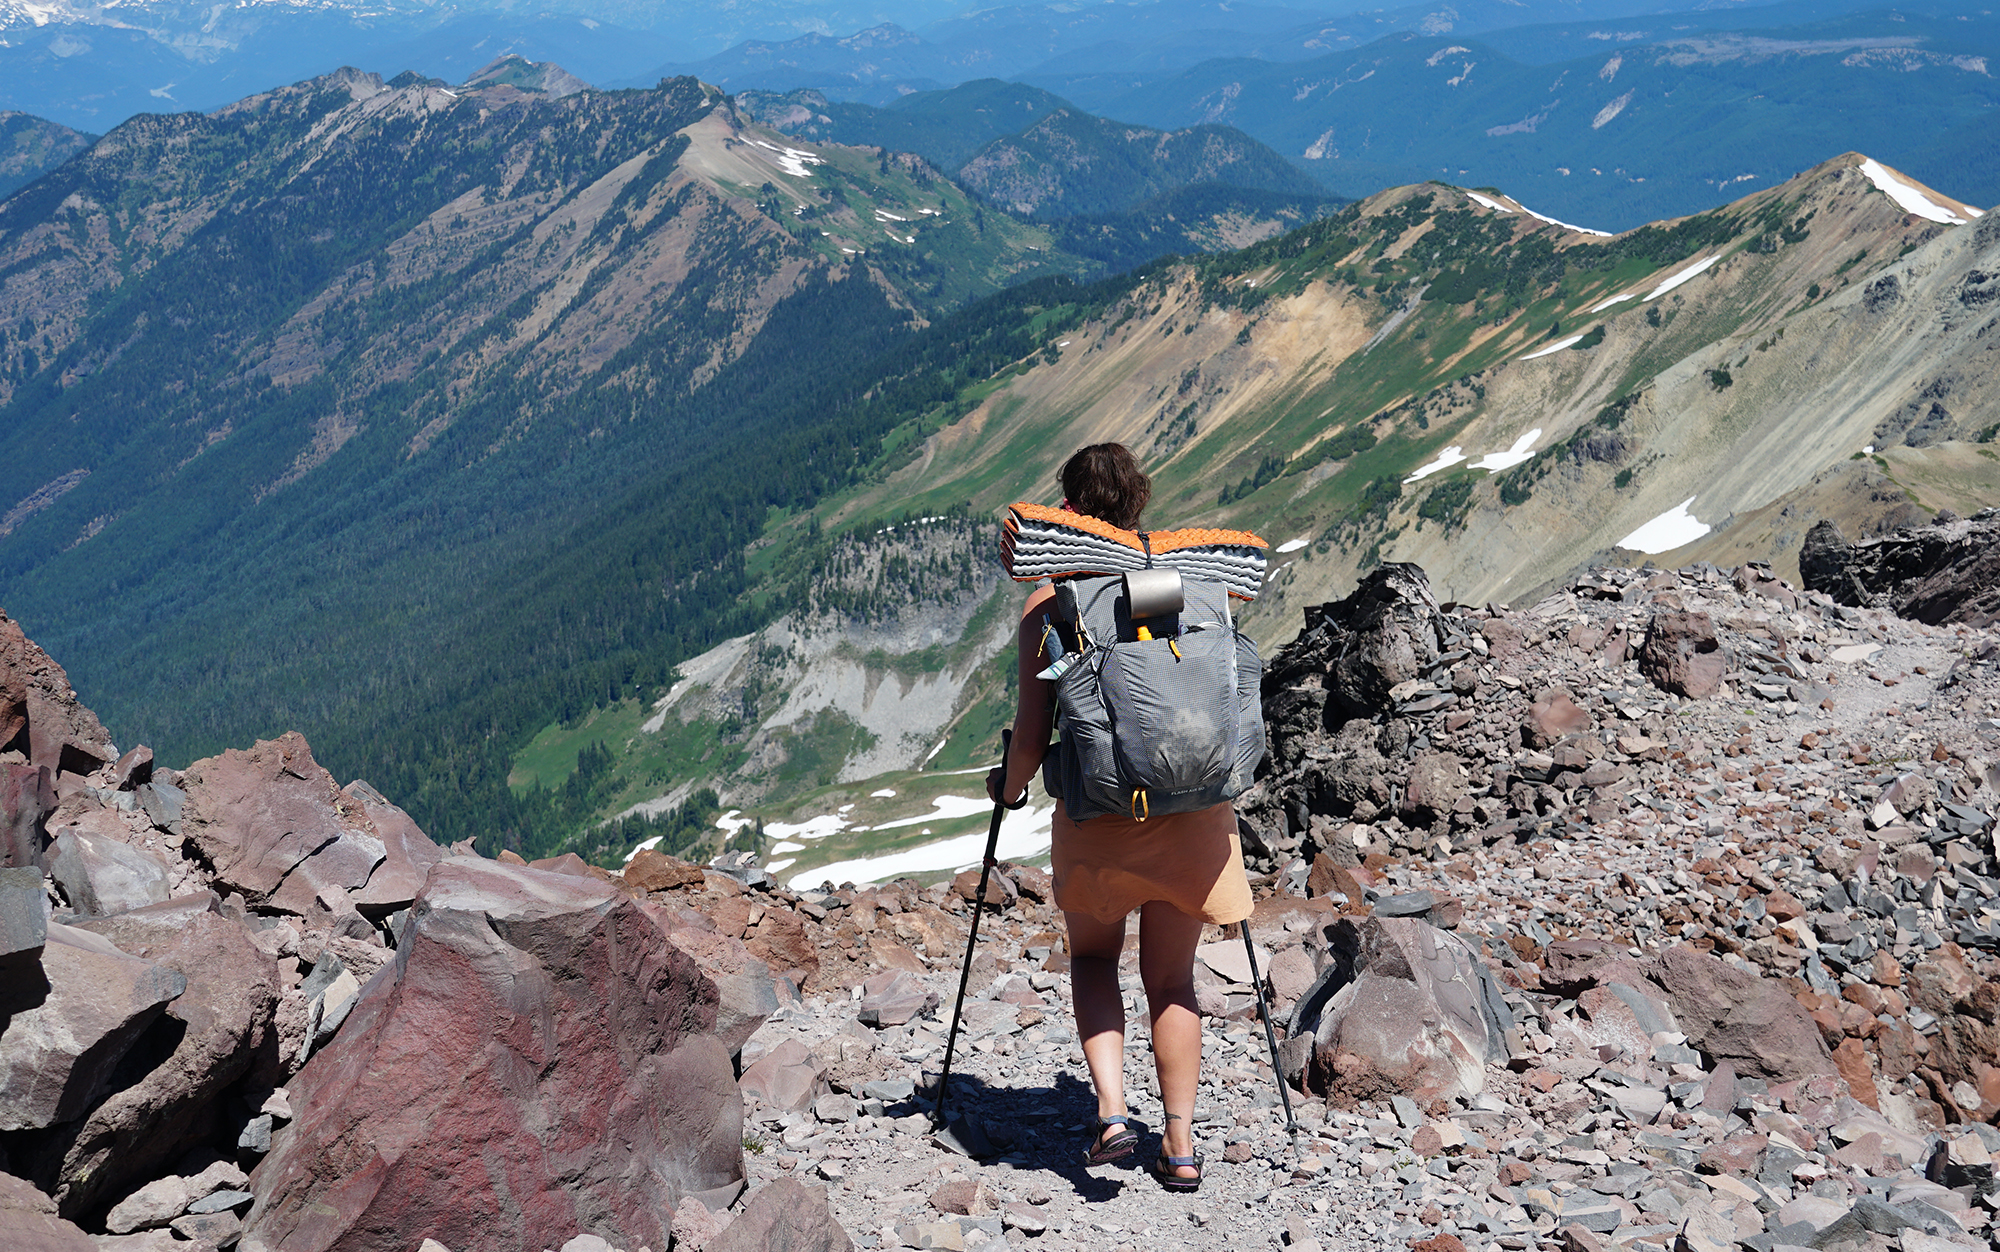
{"x": 1100, "y": 1009}
{"x": 1167, "y": 940}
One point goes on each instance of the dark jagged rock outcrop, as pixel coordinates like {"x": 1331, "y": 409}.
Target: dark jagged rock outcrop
{"x": 1948, "y": 571}
{"x": 1356, "y": 651}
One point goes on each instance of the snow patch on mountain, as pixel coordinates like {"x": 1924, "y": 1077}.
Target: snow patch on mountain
{"x": 1445, "y": 460}
{"x": 1581, "y": 230}
{"x": 1557, "y": 346}
{"x": 1522, "y": 450}
{"x": 1024, "y": 835}
{"x": 792, "y": 160}
{"x": 1692, "y": 270}
{"x": 1910, "y": 196}
{"x": 1672, "y": 529}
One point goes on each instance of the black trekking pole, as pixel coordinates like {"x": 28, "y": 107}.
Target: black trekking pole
{"x": 971, "y": 940}
{"x": 1270, "y": 1035}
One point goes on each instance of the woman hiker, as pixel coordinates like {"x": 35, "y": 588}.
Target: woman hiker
{"x": 1180, "y": 871}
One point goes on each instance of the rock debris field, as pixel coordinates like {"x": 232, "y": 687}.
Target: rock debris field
{"x": 1661, "y": 914}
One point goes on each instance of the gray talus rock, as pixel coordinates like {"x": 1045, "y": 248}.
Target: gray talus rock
{"x": 163, "y": 1199}
{"x": 222, "y": 1027}
{"x": 893, "y": 998}
{"x": 1401, "y": 1007}
{"x": 24, "y": 929}
{"x": 100, "y": 873}
{"x": 27, "y": 797}
{"x": 162, "y": 802}
{"x": 57, "y": 1058}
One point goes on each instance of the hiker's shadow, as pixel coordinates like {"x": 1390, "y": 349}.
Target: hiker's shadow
{"x": 1044, "y": 1128}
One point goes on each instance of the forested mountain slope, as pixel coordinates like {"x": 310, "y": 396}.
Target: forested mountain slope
{"x": 401, "y": 414}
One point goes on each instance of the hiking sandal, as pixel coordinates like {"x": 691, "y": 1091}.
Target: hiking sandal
{"x": 1103, "y": 1151}
{"x": 1163, "y": 1170}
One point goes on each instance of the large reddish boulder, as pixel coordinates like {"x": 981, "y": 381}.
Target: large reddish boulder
{"x": 649, "y": 870}
{"x": 539, "y": 1059}
{"x": 39, "y": 710}
{"x": 1683, "y": 655}
{"x": 1751, "y": 1023}
{"x": 1735, "y": 1016}
{"x": 256, "y": 814}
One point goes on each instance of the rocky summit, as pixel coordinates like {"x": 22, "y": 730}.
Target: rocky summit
{"x": 1662, "y": 913}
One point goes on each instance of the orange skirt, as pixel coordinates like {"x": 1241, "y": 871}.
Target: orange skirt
{"x": 1110, "y": 865}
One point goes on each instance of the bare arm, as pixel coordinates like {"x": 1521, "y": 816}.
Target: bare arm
{"x": 1034, "y": 716}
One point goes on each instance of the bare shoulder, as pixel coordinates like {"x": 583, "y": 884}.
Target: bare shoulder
{"x": 1040, "y": 596}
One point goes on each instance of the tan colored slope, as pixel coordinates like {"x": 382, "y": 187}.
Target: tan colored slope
{"x": 1842, "y": 339}
{"x": 1808, "y": 388}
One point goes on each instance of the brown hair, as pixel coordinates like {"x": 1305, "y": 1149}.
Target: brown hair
{"x": 1104, "y": 480}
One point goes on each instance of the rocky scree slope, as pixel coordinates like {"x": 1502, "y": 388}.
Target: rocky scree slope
{"x": 1659, "y": 914}
{"x": 1662, "y": 913}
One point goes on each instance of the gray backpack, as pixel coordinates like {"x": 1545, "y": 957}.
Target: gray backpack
{"x": 1169, "y": 724}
